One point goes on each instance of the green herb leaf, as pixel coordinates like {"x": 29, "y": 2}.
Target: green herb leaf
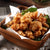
{"x": 48, "y": 21}
{"x": 23, "y": 13}
{"x": 46, "y": 16}
{"x": 32, "y": 9}
{"x": 29, "y": 10}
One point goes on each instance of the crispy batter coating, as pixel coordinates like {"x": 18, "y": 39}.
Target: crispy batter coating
{"x": 15, "y": 27}
{"x": 29, "y": 24}
{"x": 41, "y": 18}
{"x": 46, "y": 25}
{"x": 37, "y": 33}
{"x": 28, "y": 17}
{"x": 29, "y": 34}
{"x": 44, "y": 29}
{"x": 43, "y": 32}
{"x": 16, "y": 18}
{"x": 26, "y": 20}
{"x": 35, "y": 25}
{"x": 23, "y": 26}
{"x": 21, "y": 33}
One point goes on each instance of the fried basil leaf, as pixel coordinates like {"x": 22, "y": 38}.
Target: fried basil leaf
{"x": 32, "y": 9}
{"x": 48, "y": 21}
{"x": 46, "y": 16}
{"x": 29, "y": 10}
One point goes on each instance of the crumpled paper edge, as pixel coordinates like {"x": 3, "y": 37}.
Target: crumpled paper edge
{"x": 11, "y": 30}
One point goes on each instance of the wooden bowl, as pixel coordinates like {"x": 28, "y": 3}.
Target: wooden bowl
{"x": 26, "y": 43}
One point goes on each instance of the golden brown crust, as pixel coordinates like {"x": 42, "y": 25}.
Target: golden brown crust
{"x": 41, "y": 18}
{"x": 21, "y": 33}
{"x": 29, "y": 34}
{"x": 35, "y": 25}
{"x": 46, "y": 25}
{"x": 15, "y": 26}
{"x": 38, "y": 33}
{"x": 16, "y": 18}
{"x": 29, "y": 23}
{"x": 44, "y": 29}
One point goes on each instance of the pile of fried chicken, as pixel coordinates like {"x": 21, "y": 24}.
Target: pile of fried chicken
{"x": 29, "y": 25}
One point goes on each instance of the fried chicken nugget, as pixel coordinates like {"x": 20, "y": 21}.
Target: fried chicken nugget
{"x": 42, "y": 19}
{"x": 29, "y": 34}
{"x": 44, "y": 29}
{"x": 35, "y": 25}
{"x": 21, "y": 33}
{"x": 15, "y": 27}
{"x": 37, "y": 33}
{"x": 23, "y": 26}
{"x": 45, "y": 24}
{"x": 16, "y": 18}
{"x": 43, "y": 32}
{"x": 26, "y": 20}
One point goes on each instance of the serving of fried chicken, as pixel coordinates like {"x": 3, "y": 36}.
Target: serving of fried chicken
{"x": 29, "y": 25}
